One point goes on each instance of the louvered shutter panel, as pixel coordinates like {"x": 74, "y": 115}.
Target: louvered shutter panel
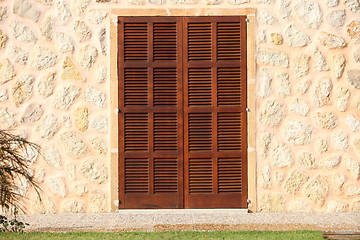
{"x": 215, "y": 112}
{"x": 182, "y": 121}
{"x": 150, "y": 119}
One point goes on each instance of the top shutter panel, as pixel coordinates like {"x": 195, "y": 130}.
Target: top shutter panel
{"x": 135, "y": 41}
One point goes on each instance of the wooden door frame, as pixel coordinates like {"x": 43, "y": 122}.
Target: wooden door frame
{"x": 114, "y": 94}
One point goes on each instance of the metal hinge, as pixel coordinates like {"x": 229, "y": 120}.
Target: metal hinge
{"x": 117, "y": 110}
{"x": 117, "y": 20}
{"x": 247, "y": 109}
{"x": 247, "y": 20}
{"x": 248, "y": 201}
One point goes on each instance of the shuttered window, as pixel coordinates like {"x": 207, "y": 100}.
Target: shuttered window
{"x": 182, "y": 120}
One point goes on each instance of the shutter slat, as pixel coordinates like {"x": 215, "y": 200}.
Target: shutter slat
{"x": 135, "y": 41}
{"x": 165, "y": 86}
{"x": 136, "y": 175}
{"x": 165, "y": 175}
{"x": 229, "y": 175}
{"x": 165, "y": 41}
{"x": 200, "y": 176}
{"x": 199, "y": 41}
{"x": 136, "y": 86}
{"x": 165, "y": 131}
{"x": 229, "y": 86}
{"x": 136, "y": 132}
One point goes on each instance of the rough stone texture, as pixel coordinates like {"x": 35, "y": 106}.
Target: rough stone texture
{"x": 46, "y": 85}
{"x": 43, "y": 58}
{"x": 99, "y": 145}
{"x": 285, "y": 9}
{"x": 97, "y": 202}
{"x": 353, "y": 190}
{"x": 281, "y": 155}
{"x": 353, "y": 31}
{"x": 70, "y": 71}
{"x": 326, "y": 120}
{"x": 284, "y": 86}
{"x": 262, "y": 36}
{"x": 52, "y": 156}
{"x": 48, "y": 126}
{"x": 317, "y": 190}
{"x": 331, "y": 41}
{"x": 276, "y": 38}
{"x": 303, "y": 85}
{"x": 72, "y": 206}
{"x": 339, "y": 62}
{"x": 101, "y": 73}
{"x": 300, "y": 66}
{"x": 356, "y": 143}
{"x": 97, "y": 16}
{"x": 88, "y": 55}
{"x": 299, "y": 106}
{"x": 356, "y": 55}
{"x": 272, "y": 202}
{"x": 3, "y": 39}
{"x": 296, "y": 37}
{"x": 57, "y": 186}
{"x": 272, "y": 57}
{"x": 353, "y": 5}
{"x": 332, "y": 3}
{"x": 24, "y": 9}
{"x": 297, "y": 132}
{"x": 309, "y": 13}
{"x": 322, "y": 92}
{"x": 32, "y": 113}
{"x": 94, "y": 96}
{"x": 94, "y": 170}
{"x": 265, "y": 80}
{"x": 265, "y": 176}
{"x": 79, "y": 6}
{"x": 100, "y": 123}
{"x": 336, "y": 18}
{"x": 329, "y": 161}
{"x": 264, "y": 143}
{"x": 338, "y": 183}
{"x": 7, "y": 118}
{"x": 18, "y": 55}
{"x": 299, "y": 206}
{"x": 3, "y": 95}
{"x": 265, "y": 17}
{"x": 82, "y": 31}
{"x": 306, "y": 160}
{"x": 355, "y": 207}
{"x": 352, "y": 122}
{"x": 81, "y": 116}
{"x": 3, "y": 13}
{"x": 340, "y": 140}
{"x": 294, "y": 182}
{"x": 353, "y": 167}
{"x": 271, "y": 113}
{"x": 353, "y": 76}
{"x": 64, "y": 42}
{"x": 320, "y": 62}
{"x": 73, "y": 145}
{"x": 335, "y": 206}
{"x": 63, "y": 12}
{"x": 22, "y": 89}
{"x": 321, "y": 146}
{"x": 23, "y": 32}
{"x": 44, "y": 205}
{"x": 70, "y": 171}
{"x": 7, "y": 71}
{"x": 65, "y": 97}
{"x": 342, "y": 98}
{"x": 80, "y": 189}
{"x": 279, "y": 177}
{"x": 47, "y": 28}
{"x": 103, "y": 40}
{"x": 46, "y": 2}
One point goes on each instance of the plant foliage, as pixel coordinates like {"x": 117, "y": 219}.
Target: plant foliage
{"x": 14, "y": 168}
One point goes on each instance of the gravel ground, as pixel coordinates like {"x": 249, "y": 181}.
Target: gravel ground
{"x": 190, "y": 219}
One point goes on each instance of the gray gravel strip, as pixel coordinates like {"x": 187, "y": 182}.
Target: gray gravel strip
{"x": 190, "y": 219}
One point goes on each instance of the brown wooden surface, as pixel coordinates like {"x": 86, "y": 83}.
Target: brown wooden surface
{"x": 182, "y": 120}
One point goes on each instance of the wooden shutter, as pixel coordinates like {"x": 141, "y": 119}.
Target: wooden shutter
{"x": 215, "y": 112}
{"x": 150, "y": 119}
{"x": 182, "y": 121}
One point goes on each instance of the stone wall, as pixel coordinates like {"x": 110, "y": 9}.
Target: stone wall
{"x": 55, "y": 90}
